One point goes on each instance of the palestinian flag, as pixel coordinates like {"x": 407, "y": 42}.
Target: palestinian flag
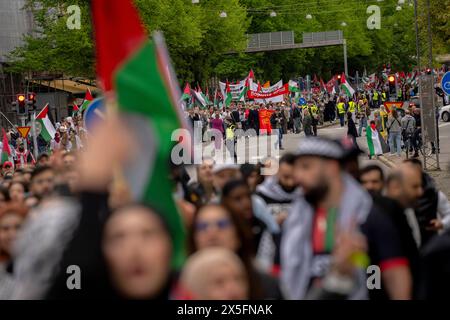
{"x": 204, "y": 96}
{"x": 47, "y": 129}
{"x": 136, "y": 70}
{"x": 6, "y": 150}
{"x": 198, "y": 98}
{"x": 346, "y": 87}
{"x": 75, "y": 109}
{"x": 244, "y": 91}
{"x": 186, "y": 92}
{"x": 293, "y": 86}
{"x": 228, "y": 97}
{"x": 87, "y": 100}
{"x": 373, "y": 142}
{"x": 217, "y": 98}
{"x": 251, "y": 75}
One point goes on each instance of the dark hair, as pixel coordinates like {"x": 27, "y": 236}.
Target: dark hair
{"x": 288, "y": 158}
{"x": 42, "y": 155}
{"x": 40, "y": 169}
{"x": 5, "y": 193}
{"x": 415, "y": 162}
{"x": 370, "y": 168}
{"x": 231, "y": 185}
{"x": 372, "y": 122}
{"x": 24, "y": 185}
{"x": 245, "y": 251}
{"x": 247, "y": 169}
{"x": 18, "y": 209}
{"x": 394, "y": 176}
{"x": 394, "y": 113}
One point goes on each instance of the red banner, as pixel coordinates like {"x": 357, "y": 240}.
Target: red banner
{"x": 264, "y": 120}
{"x": 261, "y": 95}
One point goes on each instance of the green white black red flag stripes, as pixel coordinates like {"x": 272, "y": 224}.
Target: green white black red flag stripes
{"x": 373, "y": 142}
{"x": 228, "y": 97}
{"x": 346, "y": 87}
{"x": 136, "y": 71}
{"x": 47, "y": 129}
{"x": 87, "y": 100}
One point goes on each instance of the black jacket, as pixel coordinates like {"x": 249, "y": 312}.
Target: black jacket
{"x": 426, "y": 208}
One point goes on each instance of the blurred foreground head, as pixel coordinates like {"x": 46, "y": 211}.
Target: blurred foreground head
{"x": 317, "y": 167}
{"x": 215, "y": 274}
{"x": 12, "y": 216}
{"x": 405, "y": 184}
{"x": 138, "y": 248}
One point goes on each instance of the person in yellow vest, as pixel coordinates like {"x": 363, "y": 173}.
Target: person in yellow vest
{"x": 376, "y": 99}
{"x": 383, "y": 96}
{"x": 400, "y": 95}
{"x": 315, "y": 116}
{"x": 384, "y": 119}
{"x": 352, "y": 109}
{"x": 341, "y": 111}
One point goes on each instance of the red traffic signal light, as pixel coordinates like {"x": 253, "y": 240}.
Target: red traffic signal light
{"x": 21, "y": 98}
{"x": 428, "y": 71}
{"x": 391, "y": 79}
{"x": 339, "y": 77}
{"x": 31, "y": 99}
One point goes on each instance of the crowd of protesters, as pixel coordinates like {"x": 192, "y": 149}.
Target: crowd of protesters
{"x": 309, "y": 230}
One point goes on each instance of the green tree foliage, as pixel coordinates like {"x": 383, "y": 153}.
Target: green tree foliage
{"x": 200, "y": 41}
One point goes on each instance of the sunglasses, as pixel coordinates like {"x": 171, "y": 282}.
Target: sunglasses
{"x": 221, "y": 224}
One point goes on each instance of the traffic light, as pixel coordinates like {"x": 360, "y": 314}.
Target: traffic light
{"x": 21, "y": 104}
{"x": 32, "y": 100}
{"x": 428, "y": 71}
{"x": 339, "y": 79}
{"x": 392, "y": 85}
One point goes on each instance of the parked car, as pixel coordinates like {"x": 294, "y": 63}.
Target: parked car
{"x": 444, "y": 113}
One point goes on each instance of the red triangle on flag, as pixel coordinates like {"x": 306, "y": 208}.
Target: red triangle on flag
{"x": 187, "y": 89}
{"x": 43, "y": 113}
{"x": 75, "y": 107}
{"x": 6, "y": 147}
{"x": 88, "y": 95}
{"x": 114, "y": 43}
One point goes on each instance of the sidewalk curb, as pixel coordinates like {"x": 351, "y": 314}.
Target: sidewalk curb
{"x": 387, "y": 162}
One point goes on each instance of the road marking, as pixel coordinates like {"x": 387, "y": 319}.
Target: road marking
{"x": 444, "y": 124}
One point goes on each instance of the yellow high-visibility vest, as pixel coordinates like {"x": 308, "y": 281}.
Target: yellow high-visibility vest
{"x": 351, "y": 107}
{"x": 341, "y": 108}
{"x": 375, "y": 96}
{"x": 383, "y": 96}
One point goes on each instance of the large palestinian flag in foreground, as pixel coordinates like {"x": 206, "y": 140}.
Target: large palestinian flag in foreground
{"x": 136, "y": 71}
{"x": 47, "y": 129}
